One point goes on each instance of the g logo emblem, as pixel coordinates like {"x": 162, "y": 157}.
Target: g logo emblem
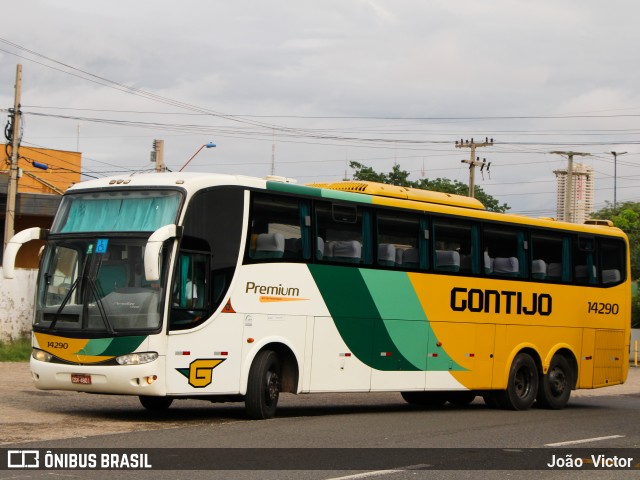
{"x": 199, "y": 372}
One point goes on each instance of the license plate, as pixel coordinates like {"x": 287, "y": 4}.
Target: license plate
{"x": 81, "y": 378}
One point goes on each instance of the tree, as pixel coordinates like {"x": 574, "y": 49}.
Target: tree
{"x": 400, "y": 177}
{"x": 626, "y": 216}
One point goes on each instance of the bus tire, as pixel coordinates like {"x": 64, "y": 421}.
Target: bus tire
{"x": 155, "y": 404}
{"x": 425, "y": 399}
{"x": 263, "y": 388}
{"x": 522, "y": 386}
{"x": 555, "y": 386}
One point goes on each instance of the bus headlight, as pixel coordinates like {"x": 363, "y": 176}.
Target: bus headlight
{"x": 136, "y": 358}
{"x": 41, "y": 355}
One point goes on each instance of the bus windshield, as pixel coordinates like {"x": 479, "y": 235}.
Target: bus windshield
{"x": 97, "y": 285}
{"x": 117, "y": 211}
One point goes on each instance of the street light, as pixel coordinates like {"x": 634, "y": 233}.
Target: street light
{"x": 615, "y": 168}
{"x": 207, "y": 145}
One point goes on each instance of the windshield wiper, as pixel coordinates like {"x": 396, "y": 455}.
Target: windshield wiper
{"x": 63, "y": 304}
{"x": 103, "y": 314}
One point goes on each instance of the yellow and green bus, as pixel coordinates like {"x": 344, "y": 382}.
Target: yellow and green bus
{"x": 230, "y": 288}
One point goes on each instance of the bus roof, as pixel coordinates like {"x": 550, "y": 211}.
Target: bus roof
{"x": 356, "y": 191}
{"x": 188, "y": 180}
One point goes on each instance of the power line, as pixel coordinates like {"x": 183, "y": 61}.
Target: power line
{"x": 358, "y": 117}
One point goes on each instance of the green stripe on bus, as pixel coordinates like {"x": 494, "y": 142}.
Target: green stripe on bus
{"x": 112, "y": 346}
{"x": 403, "y": 318}
{"x": 318, "y": 192}
{"x": 406, "y": 322}
{"x": 356, "y": 317}
{"x": 380, "y": 318}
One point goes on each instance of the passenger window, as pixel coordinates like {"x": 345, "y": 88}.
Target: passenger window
{"x": 584, "y": 261}
{"x": 504, "y": 252}
{"x": 550, "y": 258}
{"x": 402, "y": 241}
{"x": 343, "y": 233}
{"x": 612, "y": 262}
{"x": 276, "y": 229}
{"x": 455, "y": 250}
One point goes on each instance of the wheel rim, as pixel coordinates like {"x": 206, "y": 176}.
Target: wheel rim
{"x": 522, "y": 382}
{"x": 272, "y": 387}
{"x": 557, "y": 381}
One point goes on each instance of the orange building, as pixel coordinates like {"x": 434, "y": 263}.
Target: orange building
{"x": 62, "y": 172}
{"x": 39, "y": 191}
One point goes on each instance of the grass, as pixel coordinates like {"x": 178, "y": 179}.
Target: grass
{"x": 15, "y": 350}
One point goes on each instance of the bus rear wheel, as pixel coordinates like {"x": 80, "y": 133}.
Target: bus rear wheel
{"x": 555, "y": 386}
{"x": 263, "y": 388}
{"x": 156, "y": 404}
{"x": 522, "y": 386}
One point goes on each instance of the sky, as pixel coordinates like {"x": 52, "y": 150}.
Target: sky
{"x": 300, "y": 89}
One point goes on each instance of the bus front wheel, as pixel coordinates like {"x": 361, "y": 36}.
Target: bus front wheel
{"x": 155, "y": 404}
{"x": 522, "y": 386}
{"x": 556, "y": 385}
{"x": 263, "y": 388}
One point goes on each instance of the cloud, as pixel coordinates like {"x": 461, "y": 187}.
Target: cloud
{"x": 280, "y": 61}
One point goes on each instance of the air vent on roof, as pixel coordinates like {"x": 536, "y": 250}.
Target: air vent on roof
{"x": 406, "y": 193}
{"x": 604, "y": 223}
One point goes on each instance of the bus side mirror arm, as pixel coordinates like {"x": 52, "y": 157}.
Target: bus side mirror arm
{"x": 11, "y": 251}
{"x": 152, "y": 250}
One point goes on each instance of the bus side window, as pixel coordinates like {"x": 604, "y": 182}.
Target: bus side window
{"x": 401, "y": 241}
{"x": 455, "y": 246}
{"x": 505, "y": 250}
{"x": 612, "y": 262}
{"x": 191, "y": 279}
{"x": 279, "y": 229}
{"x": 343, "y": 233}
{"x": 550, "y": 257}
{"x": 584, "y": 261}
{"x": 190, "y": 292}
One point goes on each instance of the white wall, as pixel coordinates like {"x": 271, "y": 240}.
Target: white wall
{"x": 17, "y": 298}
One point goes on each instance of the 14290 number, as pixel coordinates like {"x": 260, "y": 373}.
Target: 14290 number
{"x": 603, "y": 308}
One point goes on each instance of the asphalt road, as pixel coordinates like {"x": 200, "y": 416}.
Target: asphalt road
{"x": 366, "y": 423}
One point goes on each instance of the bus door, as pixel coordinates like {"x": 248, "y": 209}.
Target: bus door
{"x": 203, "y": 356}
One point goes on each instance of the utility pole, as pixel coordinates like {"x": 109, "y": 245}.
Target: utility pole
{"x": 473, "y": 160}
{"x": 157, "y": 155}
{"x": 12, "y": 185}
{"x": 615, "y": 175}
{"x": 568, "y": 191}
{"x": 273, "y": 159}
{"x": 273, "y": 152}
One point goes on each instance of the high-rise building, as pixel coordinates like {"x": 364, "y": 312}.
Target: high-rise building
{"x": 581, "y": 203}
